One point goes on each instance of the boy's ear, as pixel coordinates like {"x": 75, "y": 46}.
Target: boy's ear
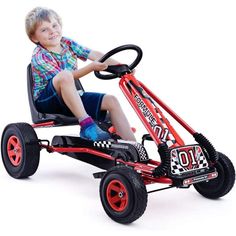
{"x": 34, "y": 39}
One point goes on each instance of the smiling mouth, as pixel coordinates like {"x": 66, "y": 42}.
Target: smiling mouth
{"x": 53, "y": 37}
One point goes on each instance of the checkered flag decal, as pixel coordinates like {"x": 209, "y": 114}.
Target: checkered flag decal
{"x": 142, "y": 152}
{"x": 102, "y": 144}
{"x": 176, "y": 168}
{"x": 200, "y": 161}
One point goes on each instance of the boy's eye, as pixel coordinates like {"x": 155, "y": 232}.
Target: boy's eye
{"x": 54, "y": 26}
{"x": 43, "y": 30}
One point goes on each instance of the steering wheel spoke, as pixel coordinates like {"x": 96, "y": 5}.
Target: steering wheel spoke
{"x": 119, "y": 69}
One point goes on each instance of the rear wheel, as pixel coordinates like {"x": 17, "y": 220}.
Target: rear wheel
{"x": 221, "y": 185}
{"x": 20, "y": 150}
{"x": 123, "y": 194}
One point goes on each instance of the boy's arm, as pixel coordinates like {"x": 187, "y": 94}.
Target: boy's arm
{"x": 96, "y": 55}
{"x": 94, "y": 66}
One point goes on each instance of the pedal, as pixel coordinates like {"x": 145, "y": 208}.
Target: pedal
{"x": 99, "y": 175}
{"x": 112, "y": 130}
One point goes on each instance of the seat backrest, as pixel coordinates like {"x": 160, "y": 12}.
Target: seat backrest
{"x": 38, "y": 117}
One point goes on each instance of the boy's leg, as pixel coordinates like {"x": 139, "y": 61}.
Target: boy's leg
{"x": 64, "y": 84}
{"x": 118, "y": 117}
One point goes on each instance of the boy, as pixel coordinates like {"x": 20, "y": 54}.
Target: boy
{"x": 54, "y": 67}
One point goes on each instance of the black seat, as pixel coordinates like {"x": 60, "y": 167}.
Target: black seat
{"x": 38, "y": 117}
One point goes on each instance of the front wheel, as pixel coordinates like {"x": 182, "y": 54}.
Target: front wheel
{"x": 20, "y": 150}
{"x": 123, "y": 194}
{"x": 221, "y": 185}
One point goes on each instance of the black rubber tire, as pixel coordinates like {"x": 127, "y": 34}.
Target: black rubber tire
{"x": 136, "y": 194}
{"x": 30, "y": 150}
{"x": 221, "y": 185}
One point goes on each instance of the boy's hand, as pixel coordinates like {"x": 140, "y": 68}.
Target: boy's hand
{"x": 98, "y": 66}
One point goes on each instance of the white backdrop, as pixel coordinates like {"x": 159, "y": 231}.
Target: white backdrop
{"x": 189, "y": 61}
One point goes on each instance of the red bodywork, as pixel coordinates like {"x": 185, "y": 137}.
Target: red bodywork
{"x": 145, "y": 104}
{"x": 133, "y": 95}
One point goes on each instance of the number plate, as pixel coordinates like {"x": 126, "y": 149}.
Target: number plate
{"x": 187, "y": 158}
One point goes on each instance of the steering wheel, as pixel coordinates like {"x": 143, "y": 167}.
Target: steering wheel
{"x": 118, "y": 70}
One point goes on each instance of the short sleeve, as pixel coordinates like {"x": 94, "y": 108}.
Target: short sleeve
{"x": 80, "y": 51}
{"x": 45, "y": 66}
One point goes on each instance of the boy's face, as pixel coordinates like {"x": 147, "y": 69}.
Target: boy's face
{"x": 48, "y": 34}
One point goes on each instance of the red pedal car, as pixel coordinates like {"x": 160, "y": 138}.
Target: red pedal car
{"x": 127, "y": 168}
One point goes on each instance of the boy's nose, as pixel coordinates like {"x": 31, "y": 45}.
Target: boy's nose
{"x": 51, "y": 31}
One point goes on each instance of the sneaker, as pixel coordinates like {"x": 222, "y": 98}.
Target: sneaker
{"x": 94, "y": 133}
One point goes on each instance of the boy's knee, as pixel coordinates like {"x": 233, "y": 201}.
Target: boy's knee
{"x": 111, "y": 101}
{"x": 65, "y": 76}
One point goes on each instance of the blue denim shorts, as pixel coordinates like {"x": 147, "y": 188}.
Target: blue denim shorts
{"x": 50, "y": 102}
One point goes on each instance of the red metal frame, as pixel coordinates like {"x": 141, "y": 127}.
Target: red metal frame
{"x": 44, "y": 124}
{"x": 145, "y": 169}
{"x": 169, "y": 110}
{"x": 128, "y": 84}
{"x": 157, "y": 126}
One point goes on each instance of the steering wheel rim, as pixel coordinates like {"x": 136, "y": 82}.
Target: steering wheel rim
{"x": 115, "y": 51}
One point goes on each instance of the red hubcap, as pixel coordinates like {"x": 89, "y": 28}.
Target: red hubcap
{"x": 14, "y": 150}
{"x": 117, "y": 195}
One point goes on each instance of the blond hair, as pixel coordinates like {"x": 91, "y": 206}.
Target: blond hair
{"x": 37, "y": 16}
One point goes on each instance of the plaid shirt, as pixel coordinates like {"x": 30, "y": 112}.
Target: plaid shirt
{"x": 45, "y": 64}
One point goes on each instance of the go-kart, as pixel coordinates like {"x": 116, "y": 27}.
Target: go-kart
{"x": 126, "y": 166}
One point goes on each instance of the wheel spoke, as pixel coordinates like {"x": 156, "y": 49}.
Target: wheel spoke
{"x": 115, "y": 199}
{"x": 13, "y": 142}
{"x": 18, "y": 158}
{"x": 11, "y": 153}
{"x": 123, "y": 202}
{"x": 115, "y": 188}
{"x": 18, "y": 146}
